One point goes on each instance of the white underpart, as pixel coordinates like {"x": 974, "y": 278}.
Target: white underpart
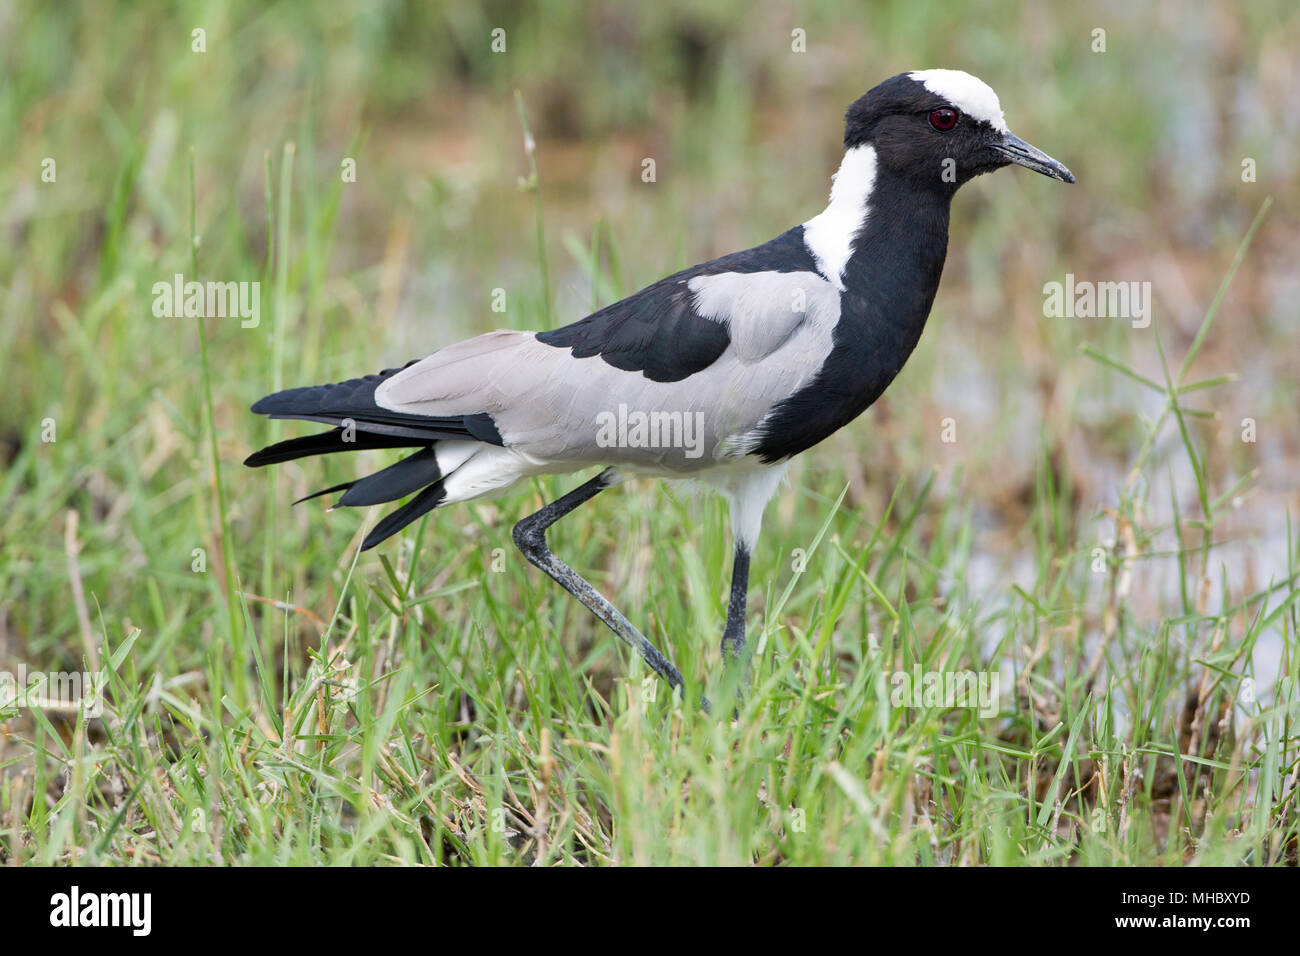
{"x": 968, "y": 93}
{"x": 748, "y": 488}
{"x": 487, "y": 472}
{"x": 450, "y": 455}
{"x": 829, "y": 235}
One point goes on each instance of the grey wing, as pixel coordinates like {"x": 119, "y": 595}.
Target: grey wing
{"x": 558, "y": 399}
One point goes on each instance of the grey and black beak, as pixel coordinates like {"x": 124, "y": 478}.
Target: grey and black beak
{"x": 1017, "y": 151}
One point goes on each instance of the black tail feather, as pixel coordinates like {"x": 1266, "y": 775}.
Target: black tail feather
{"x": 364, "y": 424}
{"x": 396, "y": 481}
{"x": 323, "y": 443}
{"x": 392, "y": 523}
{"x": 416, "y": 430}
{"x": 324, "y": 491}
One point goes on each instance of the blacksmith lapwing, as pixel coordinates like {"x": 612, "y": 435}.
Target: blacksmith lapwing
{"x": 720, "y": 373}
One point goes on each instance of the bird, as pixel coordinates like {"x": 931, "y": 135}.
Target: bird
{"x": 720, "y": 373}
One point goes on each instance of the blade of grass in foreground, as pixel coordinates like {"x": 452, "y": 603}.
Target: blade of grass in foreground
{"x": 234, "y": 623}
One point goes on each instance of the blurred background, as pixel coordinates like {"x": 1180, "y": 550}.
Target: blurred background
{"x": 1155, "y": 107}
{"x": 744, "y": 133}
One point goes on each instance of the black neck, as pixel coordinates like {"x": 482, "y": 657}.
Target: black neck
{"x": 893, "y": 274}
{"x": 889, "y": 285}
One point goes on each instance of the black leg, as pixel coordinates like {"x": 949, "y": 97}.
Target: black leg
{"x": 733, "y": 635}
{"x": 530, "y": 537}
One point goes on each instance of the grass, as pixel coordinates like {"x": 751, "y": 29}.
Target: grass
{"x": 1097, "y": 536}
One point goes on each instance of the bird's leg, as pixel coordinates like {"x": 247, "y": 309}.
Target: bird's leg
{"x": 530, "y": 537}
{"x": 733, "y": 635}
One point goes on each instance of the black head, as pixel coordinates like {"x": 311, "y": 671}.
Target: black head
{"x": 939, "y": 129}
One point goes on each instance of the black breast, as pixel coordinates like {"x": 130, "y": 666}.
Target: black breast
{"x": 890, "y": 284}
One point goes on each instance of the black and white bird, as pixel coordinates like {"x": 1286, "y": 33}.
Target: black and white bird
{"x": 719, "y": 373}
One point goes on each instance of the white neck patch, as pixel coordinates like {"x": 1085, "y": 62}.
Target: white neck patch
{"x": 829, "y": 235}
{"x": 969, "y": 94}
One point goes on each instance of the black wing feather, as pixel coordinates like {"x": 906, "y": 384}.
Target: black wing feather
{"x": 353, "y": 402}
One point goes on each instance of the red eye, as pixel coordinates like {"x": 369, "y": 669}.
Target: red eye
{"x": 943, "y": 119}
